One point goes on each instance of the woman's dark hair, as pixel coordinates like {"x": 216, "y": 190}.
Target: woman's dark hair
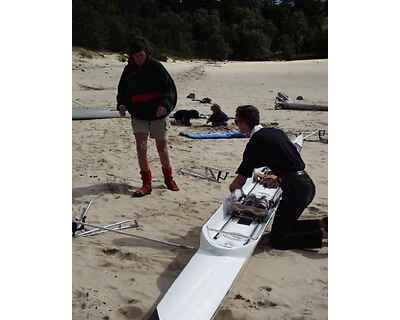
{"x": 248, "y": 114}
{"x": 139, "y": 44}
{"x": 216, "y": 107}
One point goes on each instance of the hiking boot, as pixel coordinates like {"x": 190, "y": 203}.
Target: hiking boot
{"x": 169, "y": 180}
{"x": 146, "y": 188}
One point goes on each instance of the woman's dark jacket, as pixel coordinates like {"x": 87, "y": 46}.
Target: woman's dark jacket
{"x": 143, "y": 89}
{"x": 218, "y": 118}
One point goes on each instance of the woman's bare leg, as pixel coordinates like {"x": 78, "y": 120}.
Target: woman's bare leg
{"x": 141, "y": 148}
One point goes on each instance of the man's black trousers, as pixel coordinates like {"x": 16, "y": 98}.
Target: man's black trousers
{"x": 287, "y": 231}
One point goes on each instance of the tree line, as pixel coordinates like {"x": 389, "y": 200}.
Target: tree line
{"x": 211, "y": 29}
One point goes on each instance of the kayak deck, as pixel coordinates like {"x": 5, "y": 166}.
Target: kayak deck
{"x": 200, "y": 287}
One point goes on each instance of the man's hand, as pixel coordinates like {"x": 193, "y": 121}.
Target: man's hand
{"x": 122, "y": 110}
{"x": 268, "y": 180}
{"x": 237, "y": 183}
{"x": 161, "y": 111}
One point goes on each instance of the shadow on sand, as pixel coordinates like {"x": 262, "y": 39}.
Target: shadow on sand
{"x": 264, "y": 246}
{"x": 109, "y": 187}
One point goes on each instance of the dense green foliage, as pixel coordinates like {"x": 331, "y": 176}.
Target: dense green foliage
{"x": 225, "y": 29}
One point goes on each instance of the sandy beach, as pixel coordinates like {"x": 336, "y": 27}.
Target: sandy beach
{"x": 115, "y": 277}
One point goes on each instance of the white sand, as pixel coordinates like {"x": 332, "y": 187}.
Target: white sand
{"x": 115, "y": 277}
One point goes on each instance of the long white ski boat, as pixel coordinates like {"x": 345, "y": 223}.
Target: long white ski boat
{"x": 227, "y": 241}
{"x": 81, "y": 113}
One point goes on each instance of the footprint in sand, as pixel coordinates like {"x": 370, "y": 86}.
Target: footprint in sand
{"x": 260, "y": 303}
{"x": 321, "y": 204}
{"x": 131, "y": 312}
{"x": 130, "y": 301}
{"x": 106, "y": 264}
{"x": 110, "y": 251}
{"x": 226, "y": 314}
{"x": 265, "y": 289}
{"x": 86, "y": 302}
{"x": 314, "y": 209}
{"x": 240, "y": 297}
{"x": 120, "y": 254}
{"x": 265, "y": 303}
{"x": 79, "y": 294}
{"x": 308, "y": 309}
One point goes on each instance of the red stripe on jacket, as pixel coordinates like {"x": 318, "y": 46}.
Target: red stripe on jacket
{"x": 146, "y": 97}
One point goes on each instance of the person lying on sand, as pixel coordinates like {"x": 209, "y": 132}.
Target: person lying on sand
{"x": 218, "y": 117}
{"x": 147, "y": 91}
{"x": 272, "y": 148}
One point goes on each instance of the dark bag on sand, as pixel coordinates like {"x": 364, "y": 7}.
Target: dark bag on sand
{"x": 184, "y": 116}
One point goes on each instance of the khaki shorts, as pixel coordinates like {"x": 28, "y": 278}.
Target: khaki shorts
{"x": 156, "y": 128}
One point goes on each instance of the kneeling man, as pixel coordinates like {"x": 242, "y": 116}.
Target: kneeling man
{"x": 272, "y": 148}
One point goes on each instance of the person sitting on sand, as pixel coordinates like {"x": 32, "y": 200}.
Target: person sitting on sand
{"x": 218, "y": 117}
{"x": 147, "y": 91}
{"x": 272, "y": 148}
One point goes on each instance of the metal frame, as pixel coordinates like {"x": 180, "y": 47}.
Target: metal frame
{"x": 118, "y": 225}
{"x": 321, "y": 134}
{"x": 129, "y": 226}
{"x": 169, "y": 243}
{"x": 209, "y": 174}
{"x": 220, "y": 231}
{"x": 222, "y": 228}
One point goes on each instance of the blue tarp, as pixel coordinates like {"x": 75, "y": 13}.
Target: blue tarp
{"x": 232, "y": 134}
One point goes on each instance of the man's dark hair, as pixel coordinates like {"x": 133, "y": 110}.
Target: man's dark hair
{"x": 248, "y": 114}
{"x": 139, "y": 44}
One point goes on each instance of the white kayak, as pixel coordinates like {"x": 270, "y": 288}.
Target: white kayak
{"x": 94, "y": 113}
{"x": 226, "y": 242}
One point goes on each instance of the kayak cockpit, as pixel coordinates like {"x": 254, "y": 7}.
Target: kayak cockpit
{"x": 240, "y": 222}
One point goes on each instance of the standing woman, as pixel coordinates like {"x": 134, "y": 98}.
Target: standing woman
{"x": 147, "y": 91}
{"x": 271, "y": 147}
